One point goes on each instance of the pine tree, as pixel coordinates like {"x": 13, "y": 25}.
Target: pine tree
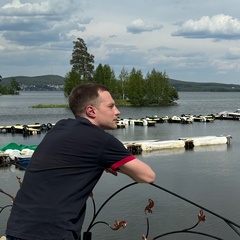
{"x": 82, "y": 61}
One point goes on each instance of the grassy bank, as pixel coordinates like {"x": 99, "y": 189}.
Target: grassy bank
{"x": 50, "y": 106}
{"x": 119, "y": 102}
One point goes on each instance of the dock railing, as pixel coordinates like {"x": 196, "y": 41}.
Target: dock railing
{"x": 201, "y": 217}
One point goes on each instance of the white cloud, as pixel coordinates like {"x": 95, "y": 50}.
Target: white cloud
{"x": 233, "y": 53}
{"x": 139, "y": 26}
{"x": 191, "y": 41}
{"x": 21, "y": 9}
{"x": 225, "y": 66}
{"x": 30, "y": 24}
{"x": 45, "y": 7}
{"x": 217, "y": 27}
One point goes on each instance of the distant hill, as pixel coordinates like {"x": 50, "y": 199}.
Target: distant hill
{"x": 183, "y": 86}
{"x": 38, "y": 83}
{"x": 55, "y": 82}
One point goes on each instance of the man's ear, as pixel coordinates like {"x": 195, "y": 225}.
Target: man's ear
{"x": 91, "y": 111}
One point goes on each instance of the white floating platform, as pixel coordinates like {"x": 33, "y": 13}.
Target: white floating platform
{"x": 150, "y": 146}
{"x": 187, "y": 143}
{"x": 208, "y": 140}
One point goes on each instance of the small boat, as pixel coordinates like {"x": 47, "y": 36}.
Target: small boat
{"x": 154, "y": 118}
{"x": 121, "y": 123}
{"x": 127, "y": 121}
{"x": 175, "y": 119}
{"x": 164, "y": 119}
{"x": 226, "y": 115}
{"x": 144, "y": 122}
{"x": 187, "y": 119}
{"x": 199, "y": 118}
{"x": 19, "y": 155}
{"x": 22, "y": 162}
{"x": 150, "y": 123}
{"x": 235, "y": 113}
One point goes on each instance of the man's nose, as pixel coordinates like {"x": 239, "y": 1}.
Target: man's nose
{"x": 117, "y": 111}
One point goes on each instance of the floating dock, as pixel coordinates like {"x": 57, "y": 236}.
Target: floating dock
{"x": 185, "y": 143}
{"x": 148, "y": 121}
{"x": 26, "y": 130}
{"x": 34, "y": 129}
{"x": 12, "y": 151}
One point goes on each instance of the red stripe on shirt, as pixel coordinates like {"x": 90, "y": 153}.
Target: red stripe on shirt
{"x": 118, "y": 164}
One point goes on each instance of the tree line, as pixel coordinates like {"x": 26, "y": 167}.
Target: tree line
{"x": 12, "y": 89}
{"x": 132, "y": 87}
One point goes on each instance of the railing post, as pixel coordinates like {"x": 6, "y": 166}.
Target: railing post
{"x": 87, "y": 236}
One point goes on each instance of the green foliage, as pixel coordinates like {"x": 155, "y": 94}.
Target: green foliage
{"x": 13, "y": 89}
{"x": 159, "y": 91}
{"x": 82, "y": 61}
{"x": 50, "y": 106}
{"x": 71, "y": 80}
{"x": 122, "y": 102}
{"x": 15, "y": 85}
{"x": 136, "y": 88}
{"x": 82, "y": 67}
{"x": 105, "y": 75}
{"x": 123, "y": 78}
{"x": 153, "y": 90}
{"x": 98, "y": 75}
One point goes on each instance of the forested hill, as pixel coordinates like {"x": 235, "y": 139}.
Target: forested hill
{"x": 45, "y": 82}
{"x": 183, "y": 86}
{"x": 55, "y": 82}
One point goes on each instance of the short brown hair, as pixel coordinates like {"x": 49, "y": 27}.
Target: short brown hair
{"x": 83, "y": 95}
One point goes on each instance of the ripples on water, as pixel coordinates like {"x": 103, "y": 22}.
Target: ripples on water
{"x": 208, "y": 176}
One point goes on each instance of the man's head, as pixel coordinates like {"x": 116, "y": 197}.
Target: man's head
{"x": 94, "y": 102}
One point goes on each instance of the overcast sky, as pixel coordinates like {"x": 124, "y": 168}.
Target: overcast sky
{"x": 189, "y": 40}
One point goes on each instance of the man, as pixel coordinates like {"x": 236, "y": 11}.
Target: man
{"x": 66, "y": 166}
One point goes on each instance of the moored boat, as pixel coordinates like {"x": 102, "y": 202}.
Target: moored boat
{"x": 154, "y": 118}
{"x": 19, "y": 155}
{"x": 144, "y": 122}
{"x": 174, "y": 119}
{"x": 226, "y": 115}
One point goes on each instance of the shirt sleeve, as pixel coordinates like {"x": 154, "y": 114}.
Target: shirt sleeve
{"x": 118, "y": 164}
{"x": 114, "y": 154}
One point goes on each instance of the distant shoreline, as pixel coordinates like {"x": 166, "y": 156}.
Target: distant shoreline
{"x": 56, "y": 83}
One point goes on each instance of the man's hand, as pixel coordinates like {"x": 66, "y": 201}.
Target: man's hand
{"x": 109, "y": 170}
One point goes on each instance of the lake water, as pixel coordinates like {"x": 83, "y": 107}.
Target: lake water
{"x": 208, "y": 176}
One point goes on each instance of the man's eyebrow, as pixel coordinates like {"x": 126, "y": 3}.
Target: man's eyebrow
{"x": 111, "y": 104}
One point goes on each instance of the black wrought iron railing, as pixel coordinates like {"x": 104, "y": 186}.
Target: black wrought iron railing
{"x": 148, "y": 210}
